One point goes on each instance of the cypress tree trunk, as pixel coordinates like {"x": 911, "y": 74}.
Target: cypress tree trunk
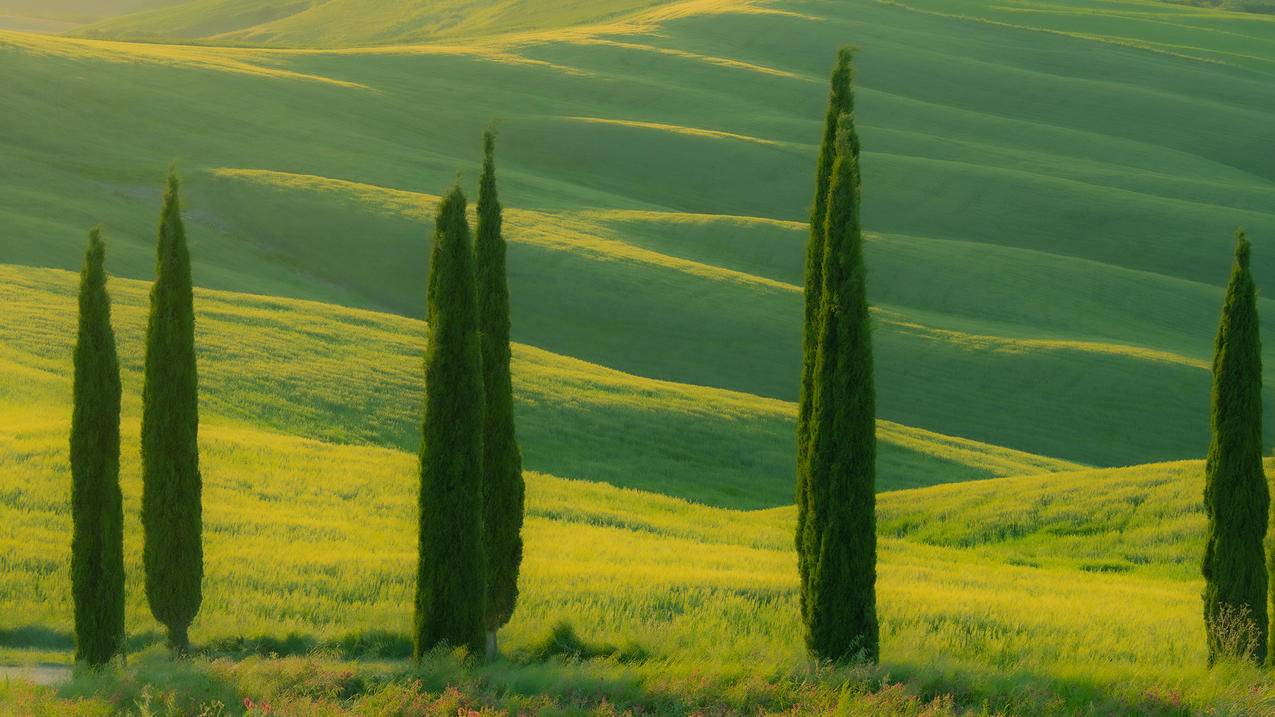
{"x": 451, "y": 576}
{"x": 97, "y": 543}
{"x": 503, "y": 488}
{"x": 1236, "y": 495}
{"x": 172, "y": 517}
{"x": 840, "y": 101}
{"x": 840, "y": 527}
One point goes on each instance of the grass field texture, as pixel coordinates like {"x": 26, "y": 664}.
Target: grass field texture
{"x": 1057, "y": 593}
{"x": 1050, "y": 193}
{"x": 1052, "y": 188}
{"x": 1042, "y": 592}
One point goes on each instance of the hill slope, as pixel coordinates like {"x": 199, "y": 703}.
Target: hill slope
{"x": 351, "y": 376}
{"x": 340, "y": 23}
{"x": 1049, "y": 189}
{"x": 1048, "y": 605}
{"x": 78, "y": 11}
{"x": 1051, "y": 234}
{"x": 1082, "y": 585}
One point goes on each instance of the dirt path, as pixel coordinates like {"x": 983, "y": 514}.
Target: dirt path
{"x": 51, "y": 675}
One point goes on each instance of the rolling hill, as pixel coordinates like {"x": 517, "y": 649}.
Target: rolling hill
{"x": 341, "y": 23}
{"x": 1033, "y": 595}
{"x": 65, "y": 15}
{"x": 1058, "y": 225}
{"x": 354, "y": 377}
{"x": 1050, "y": 193}
{"x": 1079, "y": 586}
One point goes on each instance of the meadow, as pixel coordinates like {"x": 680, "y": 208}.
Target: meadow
{"x": 1095, "y": 610}
{"x": 1050, "y": 193}
{"x": 1076, "y": 590}
{"x": 1039, "y": 221}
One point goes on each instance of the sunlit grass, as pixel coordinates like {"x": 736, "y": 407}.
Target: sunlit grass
{"x": 1050, "y": 187}
{"x": 354, "y": 376}
{"x": 241, "y": 61}
{"x": 342, "y": 23}
{"x": 316, "y": 541}
{"x": 677, "y": 129}
{"x": 1082, "y": 586}
{"x": 556, "y": 232}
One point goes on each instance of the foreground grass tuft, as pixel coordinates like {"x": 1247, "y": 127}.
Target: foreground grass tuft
{"x": 451, "y": 683}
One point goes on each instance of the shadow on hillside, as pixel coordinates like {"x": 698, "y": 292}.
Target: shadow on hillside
{"x": 561, "y": 642}
{"x": 41, "y": 637}
{"x": 363, "y": 645}
{"x": 36, "y": 637}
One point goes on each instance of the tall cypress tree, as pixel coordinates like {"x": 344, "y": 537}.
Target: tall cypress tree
{"x": 1236, "y": 495}
{"x": 840, "y": 101}
{"x": 97, "y": 511}
{"x": 840, "y": 530}
{"x": 172, "y": 516}
{"x": 451, "y": 577}
{"x": 503, "y": 488}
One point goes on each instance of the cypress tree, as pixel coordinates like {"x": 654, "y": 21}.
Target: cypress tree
{"x": 172, "y": 519}
{"x": 840, "y": 101}
{"x": 503, "y": 488}
{"x": 1236, "y": 495}
{"x": 840, "y": 530}
{"x": 97, "y": 511}
{"x": 451, "y": 577}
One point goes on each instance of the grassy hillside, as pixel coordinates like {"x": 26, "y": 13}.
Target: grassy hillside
{"x": 1010, "y": 591}
{"x": 1051, "y": 190}
{"x": 1042, "y": 594}
{"x": 355, "y": 377}
{"x": 77, "y": 11}
{"x": 341, "y": 23}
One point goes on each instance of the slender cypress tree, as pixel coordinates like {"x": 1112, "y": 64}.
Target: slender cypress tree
{"x": 97, "y": 510}
{"x": 451, "y": 577}
{"x": 1236, "y": 495}
{"x": 172, "y": 516}
{"x": 840, "y": 531}
{"x": 503, "y": 488}
{"x": 840, "y": 101}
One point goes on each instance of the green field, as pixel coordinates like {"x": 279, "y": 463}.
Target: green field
{"x": 1046, "y": 592}
{"x": 1061, "y": 225}
{"x": 1050, "y": 194}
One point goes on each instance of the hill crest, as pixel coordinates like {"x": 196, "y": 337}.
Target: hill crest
{"x": 361, "y": 23}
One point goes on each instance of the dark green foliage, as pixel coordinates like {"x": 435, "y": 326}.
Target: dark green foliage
{"x": 1236, "y": 495}
{"x": 840, "y": 101}
{"x": 840, "y": 525}
{"x": 451, "y": 577}
{"x": 503, "y": 488}
{"x": 97, "y": 509}
{"x": 172, "y": 516}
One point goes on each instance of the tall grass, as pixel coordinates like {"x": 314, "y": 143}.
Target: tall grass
{"x": 702, "y": 601}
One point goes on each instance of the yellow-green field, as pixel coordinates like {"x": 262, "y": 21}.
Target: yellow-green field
{"x": 353, "y": 376}
{"x": 1049, "y": 193}
{"x": 1082, "y": 590}
{"x": 1044, "y": 593}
